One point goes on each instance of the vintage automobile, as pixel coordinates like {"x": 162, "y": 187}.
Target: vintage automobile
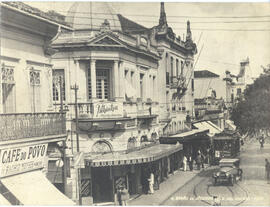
{"x": 229, "y": 172}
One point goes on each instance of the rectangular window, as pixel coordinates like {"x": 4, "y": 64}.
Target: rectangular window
{"x": 154, "y": 88}
{"x": 171, "y": 67}
{"x": 8, "y": 89}
{"x": 35, "y": 85}
{"x": 192, "y": 85}
{"x": 141, "y": 85}
{"x": 182, "y": 67}
{"x": 58, "y": 78}
{"x": 89, "y": 83}
{"x": 177, "y": 68}
{"x": 132, "y": 79}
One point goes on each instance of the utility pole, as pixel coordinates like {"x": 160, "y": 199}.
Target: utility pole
{"x": 76, "y": 88}
{"x": 64, "y": 171}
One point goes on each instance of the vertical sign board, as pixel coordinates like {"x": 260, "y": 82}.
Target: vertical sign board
{"x": 22, "y": 159}
{"x": 108, "y": 110}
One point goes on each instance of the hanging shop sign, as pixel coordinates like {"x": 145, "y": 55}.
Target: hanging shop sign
{"x": 22, "y": 159}
{"x": 108, "y": 110}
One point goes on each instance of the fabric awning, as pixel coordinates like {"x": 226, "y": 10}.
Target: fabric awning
{"x": 33, "y": 188}
{"x": 230, "y": 124}
{"x": 194, "y": 134}
{"x": 213, "y": 129}
{"x": 130, "y": 91}
{"x": 147, "y": 154}
{"x": 3, "y": 201}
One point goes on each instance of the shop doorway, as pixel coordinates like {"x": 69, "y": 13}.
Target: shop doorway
{"x": 102, "y": 185}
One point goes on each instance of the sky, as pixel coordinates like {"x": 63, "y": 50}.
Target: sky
{"x": 215, "y": 29}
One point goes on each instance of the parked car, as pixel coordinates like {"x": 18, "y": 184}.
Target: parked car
{"x": 229, "y": 172}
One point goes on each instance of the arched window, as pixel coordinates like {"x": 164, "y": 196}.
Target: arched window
{"x": 101, "y": 147}
{"x": 144, "y": 138}
{"x": 132, "y": 143}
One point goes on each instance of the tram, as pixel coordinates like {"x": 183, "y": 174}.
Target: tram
{"x": 225, "y": 145}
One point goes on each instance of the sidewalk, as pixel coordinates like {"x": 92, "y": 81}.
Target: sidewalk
{"x": 176, "y": 181}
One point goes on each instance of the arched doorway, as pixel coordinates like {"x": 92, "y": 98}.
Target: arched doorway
{"x": 102, "y": 184}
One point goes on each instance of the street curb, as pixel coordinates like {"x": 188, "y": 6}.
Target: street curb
{"x": 182, "y": 186}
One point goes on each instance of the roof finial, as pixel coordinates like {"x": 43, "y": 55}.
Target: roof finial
{"x": 162, "y": 18}
{"x": 189, "y": 35}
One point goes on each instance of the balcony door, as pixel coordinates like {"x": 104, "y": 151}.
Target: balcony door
{"x": 102, "y": 80}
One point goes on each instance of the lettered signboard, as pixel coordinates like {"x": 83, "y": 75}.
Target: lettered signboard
{"x": 108, "y": 110}
{"x": 22, "y": 159}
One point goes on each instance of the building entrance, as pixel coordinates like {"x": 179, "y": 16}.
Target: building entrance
{"x": 102, "y": 185}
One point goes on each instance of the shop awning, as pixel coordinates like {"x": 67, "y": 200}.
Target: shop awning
{"x": 147, "y": 154}
{"x": 213, "y": 129}
{"x": 194, "y": 134}
{"x": 230, "y": 124}
{"x": 33, "y": 188}
{"x": 3, "y": 201}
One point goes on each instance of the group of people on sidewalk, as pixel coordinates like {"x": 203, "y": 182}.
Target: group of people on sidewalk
{"x": 200, "y": 160}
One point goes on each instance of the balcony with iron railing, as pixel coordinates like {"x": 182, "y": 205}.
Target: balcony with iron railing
{"x": 22, "y": 126}
{"x": 112, "y": 109}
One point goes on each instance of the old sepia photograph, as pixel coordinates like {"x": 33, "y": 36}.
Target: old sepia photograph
{"x": 108, "y": 103}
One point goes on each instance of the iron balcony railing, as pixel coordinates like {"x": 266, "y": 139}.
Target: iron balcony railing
{"x": 28, "y": 125}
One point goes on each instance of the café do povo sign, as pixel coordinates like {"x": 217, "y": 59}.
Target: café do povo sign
{"x": 108, "y": 110}
{"x": 22, "y": 159}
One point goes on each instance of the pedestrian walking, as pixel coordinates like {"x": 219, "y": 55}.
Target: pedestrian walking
{"x": 124, "y": 195}
{"x": 151, "y": 181}
{"x": 267, "y": 170}
{"x": 119, "y": 197}
{"x": 184, "y": 163}
{"x": 202, "y": 160}
{"x": 190, "y": 163}
{"x": 261, "y": 140}
{"x": 198, "y": 162}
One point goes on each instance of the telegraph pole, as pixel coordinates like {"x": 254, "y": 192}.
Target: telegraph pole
{"x": 76, "y": 88}
{"x": 64, "y": 171}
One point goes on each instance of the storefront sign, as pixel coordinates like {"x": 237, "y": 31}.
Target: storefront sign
{"x": 22, "y": 159}
{"x": 108, "y": 110}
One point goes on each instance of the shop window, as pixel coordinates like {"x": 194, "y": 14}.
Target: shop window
{"x": 8, "y": 89}
{"x": 58, "y": 78}
{"x": 35, "y": 84}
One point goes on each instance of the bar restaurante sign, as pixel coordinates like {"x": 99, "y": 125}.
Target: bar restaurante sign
{"x": 22, "y": 159}
{"x": 108, "y": 110}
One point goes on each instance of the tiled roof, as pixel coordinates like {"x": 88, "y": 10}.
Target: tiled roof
{"x": 128, "y": 25}
{"x": 50, "y": 15}
{"x": 204, "y": 74}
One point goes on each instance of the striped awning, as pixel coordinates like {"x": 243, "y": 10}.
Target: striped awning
{"x": 147, "y": 154}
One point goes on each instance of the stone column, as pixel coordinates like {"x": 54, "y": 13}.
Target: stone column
{"x": 122, "y": 86}
{"x": 93, "y": 78}
{"x": 116, "y": 78}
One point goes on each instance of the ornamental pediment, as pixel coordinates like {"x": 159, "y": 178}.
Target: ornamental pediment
{"x": 107, "y": 41}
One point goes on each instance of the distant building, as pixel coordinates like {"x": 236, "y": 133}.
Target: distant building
{"x": 236, "y": 84}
